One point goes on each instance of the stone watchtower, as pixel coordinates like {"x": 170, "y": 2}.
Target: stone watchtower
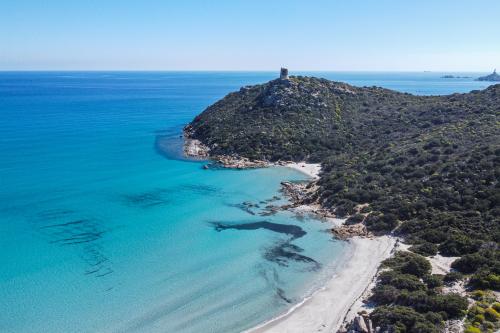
{"x": 284, "y": 74}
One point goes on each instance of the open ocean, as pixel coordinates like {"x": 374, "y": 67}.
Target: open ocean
{"x": 105, "y": 228}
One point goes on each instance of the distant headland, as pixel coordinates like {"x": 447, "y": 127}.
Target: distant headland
{"x": 455, "y": 77}
{"x": 493, "y": 77}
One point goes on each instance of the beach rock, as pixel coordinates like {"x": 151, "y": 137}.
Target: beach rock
{"x": 360, "y": 325}
{"x": 297, "y": 192}
{"x": 236, "y": 162}
{"x": 348, "y": 231}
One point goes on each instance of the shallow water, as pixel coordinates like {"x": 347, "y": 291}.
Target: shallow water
{"x": 104, "y": 227}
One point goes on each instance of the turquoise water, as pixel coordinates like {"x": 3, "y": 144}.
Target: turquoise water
{"x": 103, "y": 227}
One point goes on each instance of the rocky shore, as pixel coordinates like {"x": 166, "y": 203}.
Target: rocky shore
{"x": 367, "y": 253}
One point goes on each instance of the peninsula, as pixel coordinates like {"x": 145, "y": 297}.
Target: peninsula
{"x": 493, "y": 77}
{"x": 423, "y": 169}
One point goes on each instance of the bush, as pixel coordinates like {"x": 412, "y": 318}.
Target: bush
{"x": 409, "y": 263}
{"x": 401, "y": 281}
{"x": 402, "y": 319}
{"x": 426, "y": 249}
{"x": 453, "y": 304}
{"x": 469, "y": 263}
{"x": 381, "y": 223}
{"x": 433, "y": 281}
{"x": 458, "y": 244}
{"x": 452, "y": 277}
{"x": 383, "y": 294}
{"x": 491, "y": 315}
{"x": 472, "y": 329}
{"x": 354, "y": 219}
{"x": 484, "y": 278}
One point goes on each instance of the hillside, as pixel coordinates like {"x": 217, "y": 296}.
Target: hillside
{"x": 427, "y": 166}
{"x": 376, "y": 146}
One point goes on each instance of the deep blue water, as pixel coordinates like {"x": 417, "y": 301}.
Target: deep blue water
{"x": 101, "y": 231}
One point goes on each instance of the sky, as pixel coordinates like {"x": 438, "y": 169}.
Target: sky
{"x": 342, "y": 35}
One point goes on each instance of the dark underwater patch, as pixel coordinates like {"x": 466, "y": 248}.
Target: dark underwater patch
{"x": 285, "y": 252}
{"x": 166, "y": 196}
{"x": 246, "y": 207}
{"x": 281, "y": 294}
{"x": 148, "y": 199}
{"x": 288, "y": 229}
{"x": 199, "y": 189}
{"x": 67, "y": 228}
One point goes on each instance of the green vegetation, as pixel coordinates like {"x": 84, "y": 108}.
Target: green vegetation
{"x": 426, "y": 166}
{"x": 484, "y": 267}
{"x": 483, "y": 315}
{"x": 410, "y": 293}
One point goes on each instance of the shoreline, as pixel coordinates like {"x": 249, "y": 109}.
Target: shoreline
{"x": 341, "y": 296}
{"x": 310, "y": 169}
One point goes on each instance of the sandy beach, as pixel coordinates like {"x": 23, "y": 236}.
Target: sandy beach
{"x": 310, "y": 169}
{"x": 326, "y": 309}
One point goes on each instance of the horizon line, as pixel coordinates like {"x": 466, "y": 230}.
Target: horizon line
{"x": 243, "y": 70}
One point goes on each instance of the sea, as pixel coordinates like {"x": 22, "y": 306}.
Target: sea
{"x": 105, "y": 227}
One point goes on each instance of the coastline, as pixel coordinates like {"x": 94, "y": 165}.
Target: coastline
{"x": 341, "y": 297}
{"x": 328, "y": 308}
{"x": 310, "y": 169}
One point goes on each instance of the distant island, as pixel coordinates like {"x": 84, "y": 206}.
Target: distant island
{"x": 455, "y": 77}
{"x": 421, "y": 168}
{"x": 493, "y": 77}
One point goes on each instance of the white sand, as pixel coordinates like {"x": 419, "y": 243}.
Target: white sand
{"x": 310, "y": 169}
{"x": 440, "y": 264}
{"x": 325, "y": 310}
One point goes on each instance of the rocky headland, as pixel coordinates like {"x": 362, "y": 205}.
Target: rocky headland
{"x": 493, "y": 77}
{"x": 422, "y": 168}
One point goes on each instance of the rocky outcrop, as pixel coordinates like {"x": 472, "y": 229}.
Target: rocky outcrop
{"x": 235, "y": 162}
{"x": 194, "y": 148}
{"x": 360, "y": 324}
{"x": 348, "y": 231}
{"x": 297, "y": 192}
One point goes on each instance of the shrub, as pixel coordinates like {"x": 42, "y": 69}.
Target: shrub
{"x": 458, "y": 244}
{"x": 381, "y": 223}
{"x": 491, "y": 314}
{"x": 452, "y": 277}
{"x": 409, "y": 263}
{"x": 383, "y": 294}
{"x": 354, "y": 219}
{"x": 469, "y": 263}
{"x": 485, "y": 279}
{"x": 401, "y": 281}
{"x": 402, "y": 319}
{"x": 478, "y": 318}
{"x": 453, "y": 304}
{"x": 472, "y": 329}
{"x": 425, "y": 249}
{"x": 434, "y": 280}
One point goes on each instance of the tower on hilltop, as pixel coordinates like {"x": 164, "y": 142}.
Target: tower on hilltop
{"x": 284, "y": 73}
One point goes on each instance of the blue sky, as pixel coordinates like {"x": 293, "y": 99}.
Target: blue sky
{"x": 447, "y": 35}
